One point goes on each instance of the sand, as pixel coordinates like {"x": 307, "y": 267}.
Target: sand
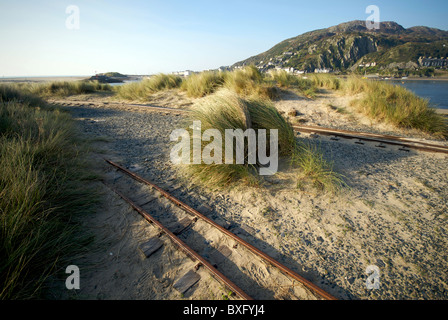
{"x": 393, "y": 215}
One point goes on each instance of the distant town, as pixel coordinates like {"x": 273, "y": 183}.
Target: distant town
{"x": 280, "y": 62}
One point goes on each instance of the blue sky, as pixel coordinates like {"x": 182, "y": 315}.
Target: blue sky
{"x": 146, "y": 37}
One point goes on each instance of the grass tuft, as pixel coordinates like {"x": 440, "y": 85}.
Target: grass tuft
{"x": 52, "y": 89}
{"x": 201, "y": 84}
{"x": 249, "y": 82}
{"x": 402, "y": 108}
{"x": 289, "y": 81}
{"x": 316, "y": 170}
{"x": 388, "y": 103}
{"x": 144, "y": 89}
{"x": 227, "y": 110}
{"x": 41, "y": 188}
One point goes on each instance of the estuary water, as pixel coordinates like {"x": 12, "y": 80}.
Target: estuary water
{"x": 434, "y": 90}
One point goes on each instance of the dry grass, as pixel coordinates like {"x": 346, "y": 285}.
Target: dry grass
{"x": 59, "y": 88}
{"x": 41, "y": 188}
{"x": 228, "y": 110}
{"x": 201, "y": 84}
{"x": 141, "y": 91}
{"x": 388, "y": 103}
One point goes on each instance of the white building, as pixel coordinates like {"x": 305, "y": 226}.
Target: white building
{"x": 324, "y": 70}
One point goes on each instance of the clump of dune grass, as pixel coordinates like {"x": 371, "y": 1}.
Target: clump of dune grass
{"x": 283, "y": 78}
{"x": 16, "y": 92}
{"x": 264, "y": 115}
{"x": 201, "y": 84}
{"x": 325, "y": 81}
{"x": 64, "y": 88}
{"x": 145, "y": 88}
{"x": 354, "y": 85}
{"x": 384, "y": 102}
{"x": 314, "y": 169}
{"x": 289, "y": 81}
{"x": 249, "y": 82}
{"x": 42, "y": 186}
{"x": 227, "y": 110}
{"x": 398, "y": 106}
{"x": 55, "y": 89}
{"x": 162, "y": 81}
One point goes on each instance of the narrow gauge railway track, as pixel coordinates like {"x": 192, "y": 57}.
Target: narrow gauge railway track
{"x": 346, "y": 134}
{"x": 301, "y": 287}
{"x": 189, "y": 251}
{"x": 383, "y": 139}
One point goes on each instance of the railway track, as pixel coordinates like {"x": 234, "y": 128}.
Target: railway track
{"x": 404, "y": 143}
{"x": 218, "y": 259}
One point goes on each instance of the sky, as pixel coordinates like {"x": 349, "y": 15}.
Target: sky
{"x": 44, "y": 38}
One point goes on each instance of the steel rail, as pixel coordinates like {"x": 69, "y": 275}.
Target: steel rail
{"x": 317, "y": 290}
{"x": 373, "y": 135}
{"x": 375, "y": 138}
{"x": 185, "y": 247}
{"x": 428, "y": 147}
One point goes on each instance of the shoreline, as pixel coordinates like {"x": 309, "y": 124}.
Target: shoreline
{"x": 418, "y": 79}
{"x": 43, "y": 79}
{"x": 53, "y": 78}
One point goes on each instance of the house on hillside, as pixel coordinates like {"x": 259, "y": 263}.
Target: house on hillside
{"x": 323, "y": 70}
{"x": 433, "y": 62}
{"x": 185, "y": 73}
{"x": 223, "y": 69}
{"x": 367, "y": 65}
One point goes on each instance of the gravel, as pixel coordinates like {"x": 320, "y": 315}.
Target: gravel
{"x": 393, "y": 216}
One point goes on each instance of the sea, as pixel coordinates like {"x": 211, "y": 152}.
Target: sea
{"x": 434, "y": 90}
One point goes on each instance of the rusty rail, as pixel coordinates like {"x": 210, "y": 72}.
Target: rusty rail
{"x": 317, "y": 290}
{"x": 387, "y": 139}
{"x": 185, "y": 247}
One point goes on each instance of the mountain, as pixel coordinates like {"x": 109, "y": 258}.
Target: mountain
{"x": 348, "y": 45}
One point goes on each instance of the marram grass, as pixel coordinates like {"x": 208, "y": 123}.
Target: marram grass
{"x": 41, "y": 187}
{"x": 402, "y": 108}
{"x": 59, "y": 88}
{"x": 385, "y": 102}
{"x": 201, "y": 84}
{"x": 227, "y": 110}
{"x": 287, "y": 80}
{"x": 144, "y": 89}
{"x": 316, "y": 170}
{"x": 249, "y": 82}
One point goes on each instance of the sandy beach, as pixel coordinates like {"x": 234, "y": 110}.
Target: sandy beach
{"x": 392, "y": 215}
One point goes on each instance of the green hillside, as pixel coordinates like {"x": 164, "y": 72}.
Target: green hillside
{"x": 344, "y": 47}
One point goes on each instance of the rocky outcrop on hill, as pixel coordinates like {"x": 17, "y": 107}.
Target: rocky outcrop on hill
{"x": 346, "y": 46}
